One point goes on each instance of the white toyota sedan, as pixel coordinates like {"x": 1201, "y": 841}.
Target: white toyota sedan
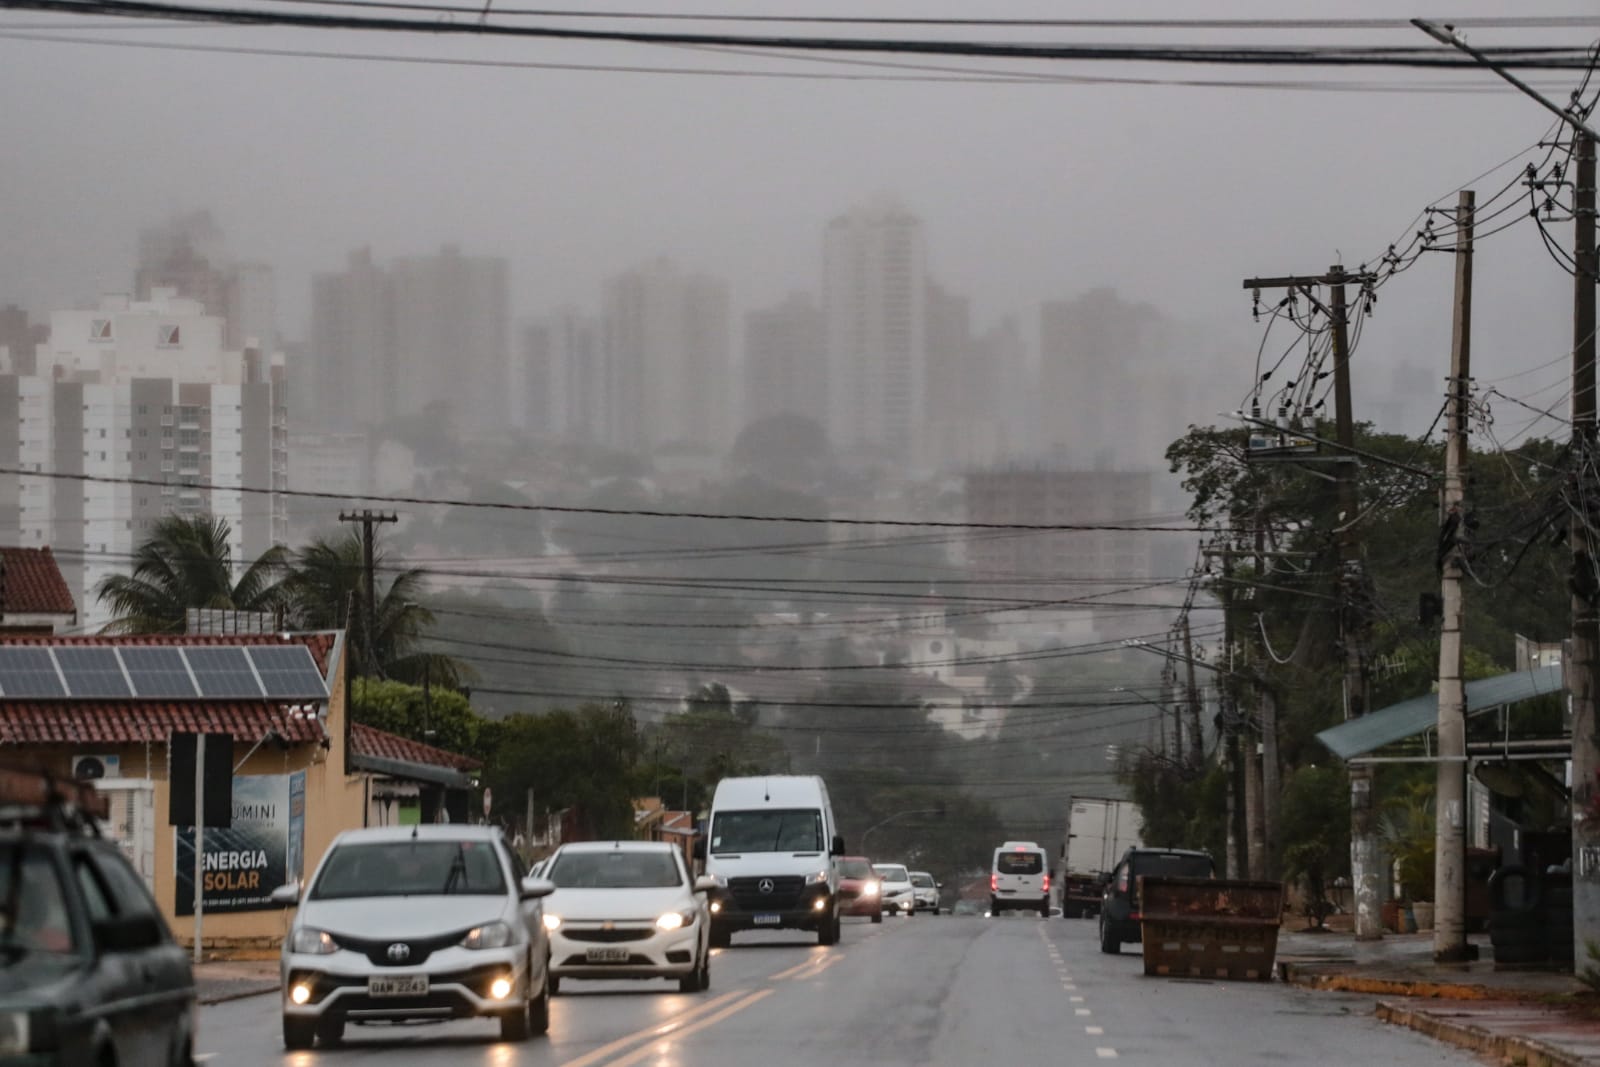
{"x": 627, "y": 909}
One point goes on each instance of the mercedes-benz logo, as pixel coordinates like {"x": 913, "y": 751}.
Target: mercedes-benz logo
{"x": 399, "y": 952}
{"x": 766, "y": 885}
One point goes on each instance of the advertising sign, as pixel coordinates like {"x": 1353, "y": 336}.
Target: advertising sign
{"x": 262, "y": 849}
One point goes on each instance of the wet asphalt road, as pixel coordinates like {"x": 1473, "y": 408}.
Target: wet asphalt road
{"x": 929, "y": 990}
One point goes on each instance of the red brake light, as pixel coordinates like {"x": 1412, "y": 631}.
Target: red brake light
{"x": 1019, "y": 848}
{"x": 1047, "y": 882}
{"x": 994, "y": 882}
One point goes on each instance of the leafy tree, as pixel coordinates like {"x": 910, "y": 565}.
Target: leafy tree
{"x": 186, "y": 563}
{"x": 587, "y": 760}
{"x": 437, "y": 717}
{"x": 325, "y": 586}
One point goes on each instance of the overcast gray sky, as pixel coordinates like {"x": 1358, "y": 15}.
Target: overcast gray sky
{"x": 1029, "y": 191}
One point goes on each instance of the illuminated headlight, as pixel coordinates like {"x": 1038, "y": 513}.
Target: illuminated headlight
{"x": 716, "y": 906}
{"x": 500, "y": 988}
{"x": 870, "y": 889}
{"x": 300, "y": 993}
{"x": 552, "y": 922}
{"x": 15, "y": 1032}
{"x": 814, "y": 879}
{"x": 489, "y": 935}
{"x": 675, "y": 920}
{"x": 312, "y": 942}
{"x": 819, "y": 903}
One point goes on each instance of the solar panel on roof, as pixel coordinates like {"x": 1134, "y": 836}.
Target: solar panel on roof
{"x": 158, "y": 673}
{"x": 223, "y": 672}
{"x": 288, "y": 671}
{"x": 92, "y": 672}
{"x": 29, "y": 672}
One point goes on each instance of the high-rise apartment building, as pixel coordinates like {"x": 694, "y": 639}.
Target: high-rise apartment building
{"x": 562, "y": 378}
{"x": 667, "y": 356}
{"x": 146, "y": 395}
{"x": 20, "y": 336}
{"x": 874, "y": 301}
{"x": 187, "y": 256}
{"x": 786, "y": 361}
{"x": 389, "y": 341}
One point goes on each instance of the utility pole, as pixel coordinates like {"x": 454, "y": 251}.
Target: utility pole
{"x": 1450, "y": 796}
{"x": 1365, "y": 867}
{"x": 1267, "y": 715}
{"x": 368, "y": 519}
{"x": 1585, "y": 623}
{"x": 1196, "y": 738}
{"x": 1255, "y": 801}
{"x": 1235, "y": 864}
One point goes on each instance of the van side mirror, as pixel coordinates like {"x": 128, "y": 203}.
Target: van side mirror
{"x": 837, "y": 848}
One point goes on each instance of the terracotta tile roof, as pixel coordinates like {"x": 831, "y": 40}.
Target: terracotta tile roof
{"x": 121, "y": 722}
{"x": 31, "y": 583}
{"x": 320, "y": 644}
{"x": 370, "y": 741}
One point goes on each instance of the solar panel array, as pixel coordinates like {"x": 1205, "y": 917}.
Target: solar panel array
{"x": 159, "y": 672}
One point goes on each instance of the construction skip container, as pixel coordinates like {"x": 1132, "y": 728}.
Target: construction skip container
{"x": 1210, "y": 927}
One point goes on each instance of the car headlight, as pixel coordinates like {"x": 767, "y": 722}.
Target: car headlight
{"x": 313, "y": 942}
{"x": 552, "y": 921}
{"x": 489, "y": 935}
{"x": 675, "y": 920}
{"x": 814, "y": 879}
{"x": 870, "y": 889}
{"x": 15, "y": 1033}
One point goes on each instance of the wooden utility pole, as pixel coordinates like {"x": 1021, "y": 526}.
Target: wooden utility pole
{"x": 1585, "y": 648}
{"x": 1450, "y": 797}
{"x": 369, "y": 600}
{"x": 1366, "y": 873}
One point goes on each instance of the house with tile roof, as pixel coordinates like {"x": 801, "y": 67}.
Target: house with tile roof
{"x": 34, "y": 598}
{"x": 106, "y": 707}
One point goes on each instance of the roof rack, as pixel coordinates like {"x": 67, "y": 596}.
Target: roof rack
{"x": 36, "y": 792}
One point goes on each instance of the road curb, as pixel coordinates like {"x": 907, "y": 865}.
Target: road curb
{"x": 1309, "y": 978}
{"x": 1507, "y": 1049}
{"x": 260, "y": 989}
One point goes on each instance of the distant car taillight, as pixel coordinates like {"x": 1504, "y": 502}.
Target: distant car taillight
{"x": 1047, "y": 882}
{"x": 994, "y": 882}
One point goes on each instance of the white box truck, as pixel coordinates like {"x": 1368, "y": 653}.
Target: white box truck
{"x": 1099, "y": 831}
{"x": 770, "y": 847}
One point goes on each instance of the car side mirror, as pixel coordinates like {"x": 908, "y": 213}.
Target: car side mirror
{"x": 838, "y": 846}
{"x": 705, "y": 883}
{"x": 128, "y": 933}
{"x": 285, "y": 896}
{"x": 536, "y": 888}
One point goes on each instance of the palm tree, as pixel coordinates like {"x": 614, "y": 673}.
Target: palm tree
{"x": 187, "y": 563}
{"x": 325, "y": 587}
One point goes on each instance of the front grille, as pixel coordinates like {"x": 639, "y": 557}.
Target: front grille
{"x": 784, "y": 896}
{"x": 477, "y": 979}
{"x": 418, "y": 949}
{"x": 607, "y": 937}
{"x": 634, "y": 960}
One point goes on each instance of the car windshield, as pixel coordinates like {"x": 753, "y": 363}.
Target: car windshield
{"x": 39, "y": 921}
{"x": 1172, "y": 865}
{"x": 1019, "y": 863}
{"x": 855, "y": 869}
{"x": 782, "y": 830}
{"x": 409, "y": 868}
{"x": 890, "y": 872}
{"x": 615, "y": 869}
{"x": 922, "y": 881}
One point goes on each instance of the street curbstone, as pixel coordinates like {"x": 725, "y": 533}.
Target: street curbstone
{"x": 1506, "y": 1048}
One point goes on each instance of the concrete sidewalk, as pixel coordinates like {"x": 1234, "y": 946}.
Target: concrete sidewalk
{"x": 221, "y": 980}
{"x": 1531, "y": 1017}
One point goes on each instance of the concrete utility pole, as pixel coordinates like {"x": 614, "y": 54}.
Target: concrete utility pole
{"x": 1197, "y": 741}
{"x": 1450, "y": 796}
{"x": 1267, "y": 714}
{"x": 369, "y": 599}
{"x": 1365, "y": 867}
{"x": 1237, "y": 860}
{"x": 1585, "y": 650}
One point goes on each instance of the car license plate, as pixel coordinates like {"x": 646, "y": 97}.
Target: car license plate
{"x": 606, "y": 955}
{"x": 768, "y": 920}
{"x": 399, "y": 985}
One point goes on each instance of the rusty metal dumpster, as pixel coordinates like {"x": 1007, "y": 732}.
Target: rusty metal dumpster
{"x": 1210, "y": 927}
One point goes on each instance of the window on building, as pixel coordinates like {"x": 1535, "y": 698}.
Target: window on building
{"x": 169, "y": 335}
{"x": 100, "y": 330}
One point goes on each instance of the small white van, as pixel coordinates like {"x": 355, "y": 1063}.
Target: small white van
{"x": 770, "y": 846}
{"x": 1020, "y": 879}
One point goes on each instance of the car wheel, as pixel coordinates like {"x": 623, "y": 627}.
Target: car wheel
{"x": 299, "y": 1034}
{"x": 538, "y": 1014}
{"x": 877, "y": 916}
{"x": 690, "y": 983}
{"x": 828, "y": 932}
{"x": 554, "y": 984}
{"x": 182, "y": 1052}
{"x": 1110, "y": 943}
{"x": 721, "y": 938}
{"x": 1044, "y": 911}
{"x": 936, "y": 911}
{"x": 330, "y": 1031}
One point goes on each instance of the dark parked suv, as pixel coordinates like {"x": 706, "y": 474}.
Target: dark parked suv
{"x": 1119, "y": 903}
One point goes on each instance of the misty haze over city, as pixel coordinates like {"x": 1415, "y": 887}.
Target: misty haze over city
{"x": 633, "y": 278}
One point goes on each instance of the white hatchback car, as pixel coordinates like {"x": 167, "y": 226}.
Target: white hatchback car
{"x": 404, "y": 924}
{"x": 627, "y": 909}
{"x": 895, "y": 889}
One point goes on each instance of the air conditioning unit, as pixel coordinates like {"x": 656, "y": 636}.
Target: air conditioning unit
{"x": 92, "y": 767}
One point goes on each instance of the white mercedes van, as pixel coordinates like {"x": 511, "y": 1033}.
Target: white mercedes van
{"x": 770, "y": 846}
{"x": 1020, "y": 879}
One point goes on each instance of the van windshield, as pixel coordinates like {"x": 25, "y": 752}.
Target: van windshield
{"x": 1019, "y": 862}
{"x": 768, "y": 830}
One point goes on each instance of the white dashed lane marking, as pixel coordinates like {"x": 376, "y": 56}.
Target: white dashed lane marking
{"x": 1094, "y": 1031}
{"x": 1106, "y": 1053}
